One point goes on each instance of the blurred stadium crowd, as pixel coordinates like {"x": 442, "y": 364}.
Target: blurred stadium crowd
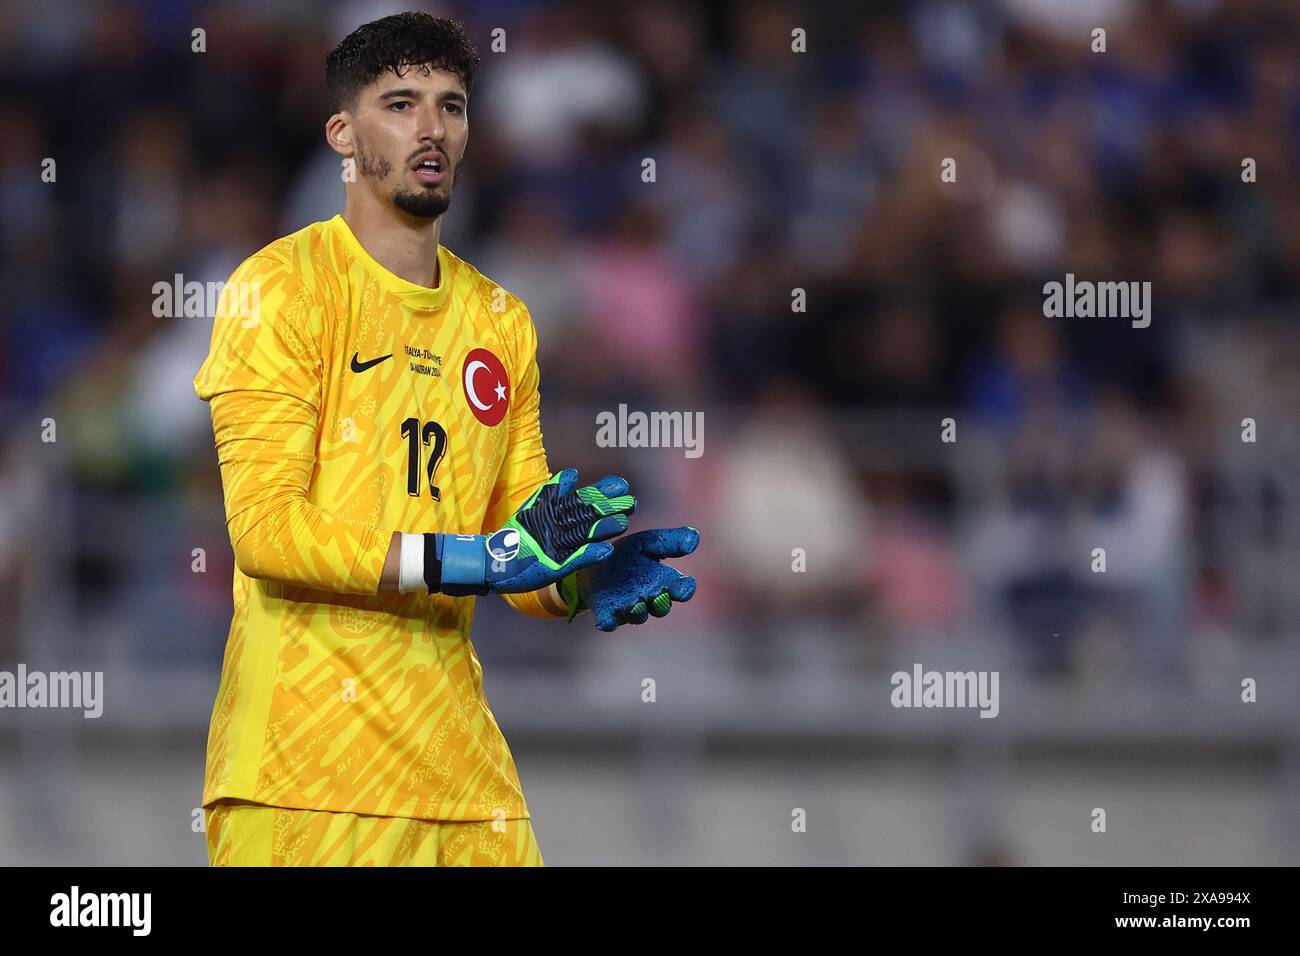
{"x": 775, "y": 171}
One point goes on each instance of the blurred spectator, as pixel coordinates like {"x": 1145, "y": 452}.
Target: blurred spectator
{"x": 776, "y": 172}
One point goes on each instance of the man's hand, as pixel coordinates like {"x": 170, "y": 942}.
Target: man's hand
{"x": 633, "y": 585}
{"x": 559, "y": 530}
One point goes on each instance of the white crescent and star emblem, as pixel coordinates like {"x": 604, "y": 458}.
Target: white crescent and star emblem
{"x": 487, "y": 386}
{"x": 470, "y": 370}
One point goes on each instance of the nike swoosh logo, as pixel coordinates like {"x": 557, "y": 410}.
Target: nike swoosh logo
{"x": 362, "y": 366}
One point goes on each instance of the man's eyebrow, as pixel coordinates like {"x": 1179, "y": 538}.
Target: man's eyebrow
{"x": 414, "y": 94}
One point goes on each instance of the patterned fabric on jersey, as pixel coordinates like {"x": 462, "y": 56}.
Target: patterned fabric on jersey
{"x": 348, "y": 403}
{"x": 250, "y": 834}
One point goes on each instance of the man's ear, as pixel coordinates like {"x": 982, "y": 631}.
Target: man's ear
{"x": 338, "y": 133}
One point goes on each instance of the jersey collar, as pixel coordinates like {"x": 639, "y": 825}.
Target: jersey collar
{"x": 412, "y": 295}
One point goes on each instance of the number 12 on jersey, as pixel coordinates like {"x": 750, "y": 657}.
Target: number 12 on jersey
{"x": 417, "y": 436}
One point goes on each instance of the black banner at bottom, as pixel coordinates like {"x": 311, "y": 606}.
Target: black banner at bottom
{"x": 935, "y": 904}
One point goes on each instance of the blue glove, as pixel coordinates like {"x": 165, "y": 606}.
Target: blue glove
{"x": 632, "y": 584}
{"x": 554, "y": 533}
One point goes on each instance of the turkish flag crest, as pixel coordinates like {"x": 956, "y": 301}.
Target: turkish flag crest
{"x": 487, "y": 386}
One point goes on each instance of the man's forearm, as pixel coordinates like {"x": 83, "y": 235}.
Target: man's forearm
{"x": 392, "y": 564}
{"x": 266, "y": 447}
{"x": 544, "y": 604}
{"x": 548, "y": 598}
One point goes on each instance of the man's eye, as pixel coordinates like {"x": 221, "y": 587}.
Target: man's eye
{"x": 402, "y": 103}
{"x": 454, "y": 107}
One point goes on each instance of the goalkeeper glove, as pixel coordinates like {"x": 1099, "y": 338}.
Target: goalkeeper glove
{"x": 632, "y": 584}
{"x": 557, "y": 531}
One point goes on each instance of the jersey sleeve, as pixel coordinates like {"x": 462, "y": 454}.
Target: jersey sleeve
{"x": 262, "y": 379}
{"x": 267, "y": 335}
{"x": 524, "y": 468}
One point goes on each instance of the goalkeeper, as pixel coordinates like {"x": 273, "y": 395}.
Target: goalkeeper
{"x": 376, "y": 410}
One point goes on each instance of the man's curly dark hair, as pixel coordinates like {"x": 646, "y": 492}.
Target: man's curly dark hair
{"x": 398, "y": 43}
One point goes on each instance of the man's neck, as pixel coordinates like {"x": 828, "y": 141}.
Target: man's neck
{"x": 405, "y": 246}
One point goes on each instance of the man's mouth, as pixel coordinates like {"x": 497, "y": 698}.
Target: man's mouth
{"x": 431, "y": 169}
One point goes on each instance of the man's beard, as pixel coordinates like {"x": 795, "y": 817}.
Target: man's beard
{"x": 424, "y": 204}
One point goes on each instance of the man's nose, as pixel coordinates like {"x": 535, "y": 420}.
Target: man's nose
{"x": 432, "y": 126}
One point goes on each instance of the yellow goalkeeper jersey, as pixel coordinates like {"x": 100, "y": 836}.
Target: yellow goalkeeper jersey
{"x": 348, "y": 403}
